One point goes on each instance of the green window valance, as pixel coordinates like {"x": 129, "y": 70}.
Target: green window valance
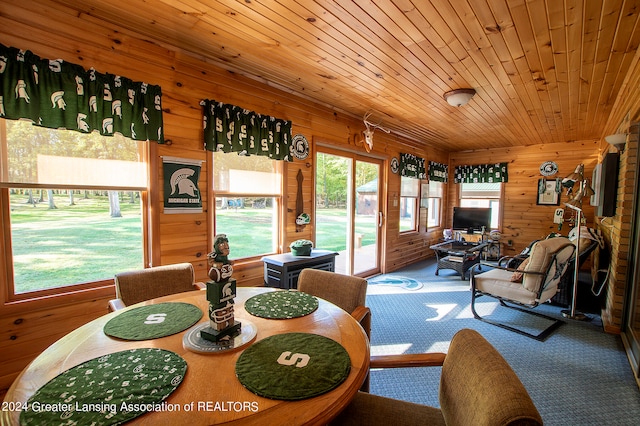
{"x": 482, "y": 173}
{"x": 229, "y": 128}
{"x": 438, "y": 172}
{"x": 412, "y": 166}
{"x": 61, "y": 95}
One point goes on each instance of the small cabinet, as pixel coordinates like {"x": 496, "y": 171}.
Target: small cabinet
{"x": 282, "y": 270}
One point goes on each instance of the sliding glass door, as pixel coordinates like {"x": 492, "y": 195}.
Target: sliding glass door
{"x": 631, "y": 329}
{"x": 348, "y": 210}
{"x": 367, "y": 218}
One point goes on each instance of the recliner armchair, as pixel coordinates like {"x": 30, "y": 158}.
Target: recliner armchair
{"x": 534, "y": 282}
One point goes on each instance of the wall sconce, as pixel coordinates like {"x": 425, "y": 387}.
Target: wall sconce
{"x": 459, "y": 97}
{"x": 617, "y": 141}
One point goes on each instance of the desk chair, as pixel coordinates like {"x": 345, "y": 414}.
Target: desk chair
{"x": 477, "y": 387}
{"x": 144, "y": 284}
{"x": 534, "y": 282}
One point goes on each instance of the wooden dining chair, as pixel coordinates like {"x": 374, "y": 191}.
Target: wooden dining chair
{"x": 144, "y": 284}
{"x": 477, "y": 387}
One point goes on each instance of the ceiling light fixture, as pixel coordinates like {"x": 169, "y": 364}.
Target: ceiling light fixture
{"x": 459, "y": 97}
{"x": 618, "y": 141}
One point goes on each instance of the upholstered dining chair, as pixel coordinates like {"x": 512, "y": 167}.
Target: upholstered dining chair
{"x": 345, "y": 291}
{"x": 144, "y": 284}
{"x": 534, "y": 282}
{"x": 477, "y": 387}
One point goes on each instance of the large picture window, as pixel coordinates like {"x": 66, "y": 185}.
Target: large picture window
{"x": 483, "y": 195}
{"x": 248, "y": 203}
{"x": 434, "y": 200}
{"x": 71, "y": 210}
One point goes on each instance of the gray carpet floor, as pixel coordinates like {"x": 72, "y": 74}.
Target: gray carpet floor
{"x": 578, "y": 376}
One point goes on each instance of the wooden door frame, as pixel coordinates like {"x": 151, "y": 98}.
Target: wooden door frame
{"x": 328, "y": 148}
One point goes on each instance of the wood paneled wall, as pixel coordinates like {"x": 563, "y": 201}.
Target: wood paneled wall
{"x": 56, "y": 32}
{"x": 625, "y": 118}
{"x": 617, "y": 230}
{"x": 522, "y": 219}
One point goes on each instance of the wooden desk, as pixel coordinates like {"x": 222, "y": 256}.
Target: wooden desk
{"x": 201, "y": 385}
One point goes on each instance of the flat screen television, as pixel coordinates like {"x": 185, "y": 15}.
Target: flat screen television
{"x": 471, "y": 218}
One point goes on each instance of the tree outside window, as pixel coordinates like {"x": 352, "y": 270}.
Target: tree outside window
{"x": 72, "y": 216}
{"x": 248, "y": 203}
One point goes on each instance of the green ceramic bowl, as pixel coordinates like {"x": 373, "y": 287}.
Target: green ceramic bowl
{"x": 301, "y": 247}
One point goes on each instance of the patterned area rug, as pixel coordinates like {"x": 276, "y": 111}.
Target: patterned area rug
{"x": 579, "y": 376}
{"x": 396, "y": 281}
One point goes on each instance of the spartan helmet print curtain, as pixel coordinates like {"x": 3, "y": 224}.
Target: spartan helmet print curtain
{"x": 412, "y": 166}
{"x": 58, "y": 94}
{"x": 482, "y": 173}
{"x": 229, "y": 128}
{"x": 438, "y": 172}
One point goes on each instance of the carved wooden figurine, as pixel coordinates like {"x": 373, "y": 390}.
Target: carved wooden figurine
{"x": 220, "y": 293}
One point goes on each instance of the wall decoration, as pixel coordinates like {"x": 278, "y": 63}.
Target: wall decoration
{"x": 181, "y": 193}
{"x": 368, "y": 133}
{"x": 300, "y": 224}
{"x": 395, "y": 166}
{"x": 548, "y": 168}
{"x": 547, "y": 193}
{"x": 300, "y": 147}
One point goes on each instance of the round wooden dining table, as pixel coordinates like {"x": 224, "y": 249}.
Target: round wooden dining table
{"x": 210, "y": 390}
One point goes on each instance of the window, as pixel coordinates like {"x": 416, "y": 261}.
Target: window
{"x": 71, "y": 208}
{"x": 248, "y": 200}
{"x": 409, "y": 191}
{"x": 436, "y": 189}
{"x": 483, "y": 195}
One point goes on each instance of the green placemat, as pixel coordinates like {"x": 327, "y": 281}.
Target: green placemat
{"x": 108, "y": 390}
{"x": 293, "y": 366}
{"x": 281, "y": 304}
{"x": 153, "y": 321}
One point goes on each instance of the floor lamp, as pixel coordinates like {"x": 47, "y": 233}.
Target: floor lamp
{"x": 576, "y": 204}
{"x": 572, "y": 313}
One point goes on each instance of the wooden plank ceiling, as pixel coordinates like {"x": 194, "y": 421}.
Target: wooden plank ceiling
{"x": 545, "y": 71}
